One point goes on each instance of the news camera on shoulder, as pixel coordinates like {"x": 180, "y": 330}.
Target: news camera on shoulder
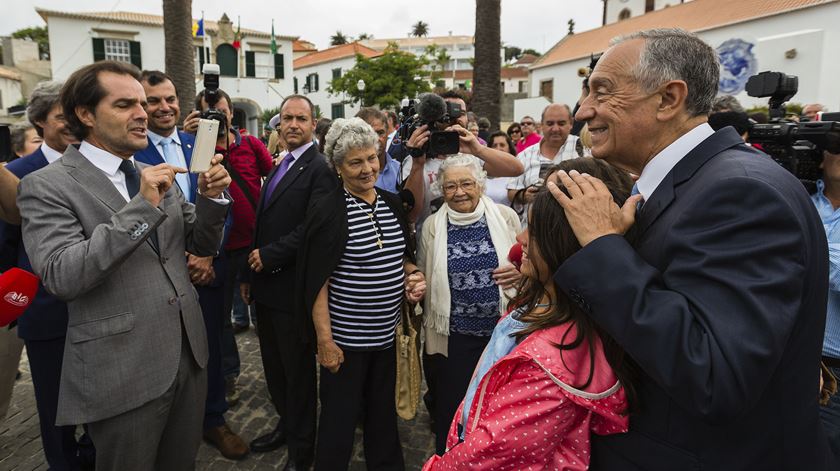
{"x": 796, "y": 146}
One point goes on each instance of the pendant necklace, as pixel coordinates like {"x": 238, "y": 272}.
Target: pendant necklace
{"x": 371, "y": 216}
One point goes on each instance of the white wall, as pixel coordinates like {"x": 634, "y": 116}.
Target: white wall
{"x": 532, "y": 107}
{"x": 322, "y": 98}
{"x": 812, "y": 32}
{"x": 10, "y": 92}
{"x": 614, "y": 7}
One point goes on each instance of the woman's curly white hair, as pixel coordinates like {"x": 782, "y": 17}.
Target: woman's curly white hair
{"x": 461, "y": 160}
{"x": 347, "y": 134}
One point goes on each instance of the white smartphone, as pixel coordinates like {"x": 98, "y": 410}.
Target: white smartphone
{"x": 205, "y": 145}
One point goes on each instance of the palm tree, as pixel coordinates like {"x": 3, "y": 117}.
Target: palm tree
{"x": 365, "y": 37}
{"x": 420, "y": 29}
{"x": 338, "y": 39}
{"x": 488, "y": 62}
{"x": 178, "y": 48}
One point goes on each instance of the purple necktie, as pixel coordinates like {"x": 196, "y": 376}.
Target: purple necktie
{"x": 284, "y": 167}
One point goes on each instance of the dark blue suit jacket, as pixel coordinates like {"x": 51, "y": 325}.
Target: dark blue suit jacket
{"x": 46, "y": 317}
{"x": 151, "y": 156}
{"x": 721, "y": 302}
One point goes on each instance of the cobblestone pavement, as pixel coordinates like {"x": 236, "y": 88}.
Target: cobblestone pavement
{"x": 20, "y": 443}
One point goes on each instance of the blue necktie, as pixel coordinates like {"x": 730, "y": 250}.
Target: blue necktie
{"x": 635, "y": 191}
{"x": 172, "y": 157}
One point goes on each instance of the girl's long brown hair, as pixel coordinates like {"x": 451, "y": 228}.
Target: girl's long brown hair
{"x": 550, "y": 232}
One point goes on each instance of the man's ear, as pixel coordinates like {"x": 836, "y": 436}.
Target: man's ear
{"x": 86, "y": 116}
{"x": 673, "y": 96}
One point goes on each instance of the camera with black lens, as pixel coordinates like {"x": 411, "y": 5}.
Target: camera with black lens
{"x": 211, "y": 96}
{"x": 798, "y": 147}
{"x": 432, "y": 110}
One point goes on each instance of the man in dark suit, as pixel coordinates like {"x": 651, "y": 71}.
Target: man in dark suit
{"x": 302, "y": 176}
{"x": 721, "y": 297}
{"x": 43, "y": 327}
{"x": 168, "y": 145}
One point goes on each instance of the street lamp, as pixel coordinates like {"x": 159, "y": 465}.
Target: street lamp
{"x": 360, "y": 85}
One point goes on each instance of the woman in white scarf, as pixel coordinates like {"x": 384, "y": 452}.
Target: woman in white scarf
{"x": 463, "y": 251}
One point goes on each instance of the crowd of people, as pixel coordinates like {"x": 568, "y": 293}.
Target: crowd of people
{"x": 646, "y": 292}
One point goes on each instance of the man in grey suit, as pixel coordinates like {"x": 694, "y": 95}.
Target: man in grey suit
{"x": 108, "y": 236}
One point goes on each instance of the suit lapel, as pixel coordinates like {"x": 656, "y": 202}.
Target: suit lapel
{"x": 664, "y": 194}
{"x": 294, "y": 171}
{"x": 149, "y": 155}
{"x": 92, "y": 179}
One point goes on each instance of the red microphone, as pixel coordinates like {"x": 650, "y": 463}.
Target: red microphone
{"x": 515, "y": 255}
{"x": 17, "y": 290}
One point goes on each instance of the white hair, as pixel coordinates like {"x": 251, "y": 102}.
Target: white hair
{"x": 461, "y": 161}
{"x": 347, "y": 134}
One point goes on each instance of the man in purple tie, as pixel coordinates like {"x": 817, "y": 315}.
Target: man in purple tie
{"x": 289, "y": 362}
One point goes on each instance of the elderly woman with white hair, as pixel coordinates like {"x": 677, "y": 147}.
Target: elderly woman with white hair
{"x": 463, "y": 249}
{"x": 357, "y": 268}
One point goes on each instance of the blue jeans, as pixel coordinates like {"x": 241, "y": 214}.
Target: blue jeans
{"x": 830, "y": 415}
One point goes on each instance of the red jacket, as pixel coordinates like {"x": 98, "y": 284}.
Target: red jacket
{"x": 527, "y": 415}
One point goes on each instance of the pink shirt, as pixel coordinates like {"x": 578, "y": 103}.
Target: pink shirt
{"x": 527, "y": 141}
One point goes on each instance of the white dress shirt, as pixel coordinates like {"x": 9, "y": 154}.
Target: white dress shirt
{"x": 662, "y": 163}
{"x": 108, "y": 163}
{"x": 49, "y": 153}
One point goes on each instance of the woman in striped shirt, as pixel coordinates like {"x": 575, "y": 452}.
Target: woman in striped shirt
{"x": 357, "y": 269}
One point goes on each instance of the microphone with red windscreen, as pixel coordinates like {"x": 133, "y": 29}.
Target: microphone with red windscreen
{"x": 515, "y": 255}
{"x": 17, "y": 290}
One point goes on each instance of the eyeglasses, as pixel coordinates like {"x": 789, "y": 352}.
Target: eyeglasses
{"x": 452, "y": 187}
{"x": 515, "y": 131}
{"x": 527, "y": 123}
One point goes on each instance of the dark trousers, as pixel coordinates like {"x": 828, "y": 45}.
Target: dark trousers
{"x": 230, "y": 352}
{"x": 211, "y": 299}
{"x": 61, "y": 449}
{"x": 453, "y": 377}
{"x": 363, "y": 386}
{"x": 289, "y": 366}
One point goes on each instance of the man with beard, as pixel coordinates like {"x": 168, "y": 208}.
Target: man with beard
{"x": 168, "y": 145}
{"x": 288, "y": 361}
{"x": 110, "y": 237}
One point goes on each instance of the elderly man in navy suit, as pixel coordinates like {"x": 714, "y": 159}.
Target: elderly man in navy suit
{"x": 167, "y": 144}
{"x": 721, "y": 297}
{"x": 43, "y": 327}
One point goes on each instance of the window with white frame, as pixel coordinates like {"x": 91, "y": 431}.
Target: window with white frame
{"x": 117, "y": 50}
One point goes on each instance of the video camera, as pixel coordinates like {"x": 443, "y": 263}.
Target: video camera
{"x": 798, "y": 147}
{"x": 211, "y": 96}
{"x": 438, "y": 114}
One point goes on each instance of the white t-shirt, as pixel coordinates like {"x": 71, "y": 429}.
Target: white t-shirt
{"x": 430, "y": 173}
{"x": 497, "y": 190}
{"x": 535, "y": 163}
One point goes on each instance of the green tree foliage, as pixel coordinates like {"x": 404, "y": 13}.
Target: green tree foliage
{"x": 365, "y": 37}
{"x": 38, "y": 34}
{"x": 338, "y": 39}
{"x": 532, "y": 52}
{"x": 268, "y": 113}
{"x": 388, "y": 79}
{"x": 512, "y": 53}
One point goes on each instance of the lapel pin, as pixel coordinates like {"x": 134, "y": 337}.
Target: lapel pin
{"x": 189, "y": 146}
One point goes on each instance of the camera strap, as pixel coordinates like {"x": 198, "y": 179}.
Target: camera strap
{"x": 240, "y": 182}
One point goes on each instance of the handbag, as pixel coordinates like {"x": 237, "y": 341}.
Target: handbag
{"x": 408, "y": 362}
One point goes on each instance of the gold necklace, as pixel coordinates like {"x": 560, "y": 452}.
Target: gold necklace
{"x": 371, "y": 216}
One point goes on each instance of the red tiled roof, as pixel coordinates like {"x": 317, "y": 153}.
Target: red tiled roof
{"x": 506, "y": 73}
{"x": 299, "y": 45}
{"x": 697, "y": 15}
{"x": 142, "y": 19}
{"x": 334, "y": 53}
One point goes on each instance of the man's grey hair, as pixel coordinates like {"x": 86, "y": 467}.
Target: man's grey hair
{"x": 41, "y": 101}
{"x": 18, "y": 136}
{"x": 345, "y": 135}
{"x": 675, "y": 54}
{"x": 727, "y": 103}
{"x": 461, "y": 161}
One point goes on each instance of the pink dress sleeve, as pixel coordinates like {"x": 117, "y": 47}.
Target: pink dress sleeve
{"x": 527, "y": 424}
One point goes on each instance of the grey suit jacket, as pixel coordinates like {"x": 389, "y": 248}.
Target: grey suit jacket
{"x": 126, "y": 302}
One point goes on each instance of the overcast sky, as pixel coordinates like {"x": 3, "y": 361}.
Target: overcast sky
{"x": 536, "y": 24}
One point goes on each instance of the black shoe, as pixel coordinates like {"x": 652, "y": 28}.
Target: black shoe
{"x": 270, "y": 441}
{"x": 292, "y": 466}
{"x": 239, "y": 328}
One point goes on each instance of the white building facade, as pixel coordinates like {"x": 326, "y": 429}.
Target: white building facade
{"x": 254, "y": 78}
{"x": 800, "y": 41}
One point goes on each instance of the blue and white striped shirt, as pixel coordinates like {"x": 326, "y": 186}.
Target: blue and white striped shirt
{"x": 831, "y": 222}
